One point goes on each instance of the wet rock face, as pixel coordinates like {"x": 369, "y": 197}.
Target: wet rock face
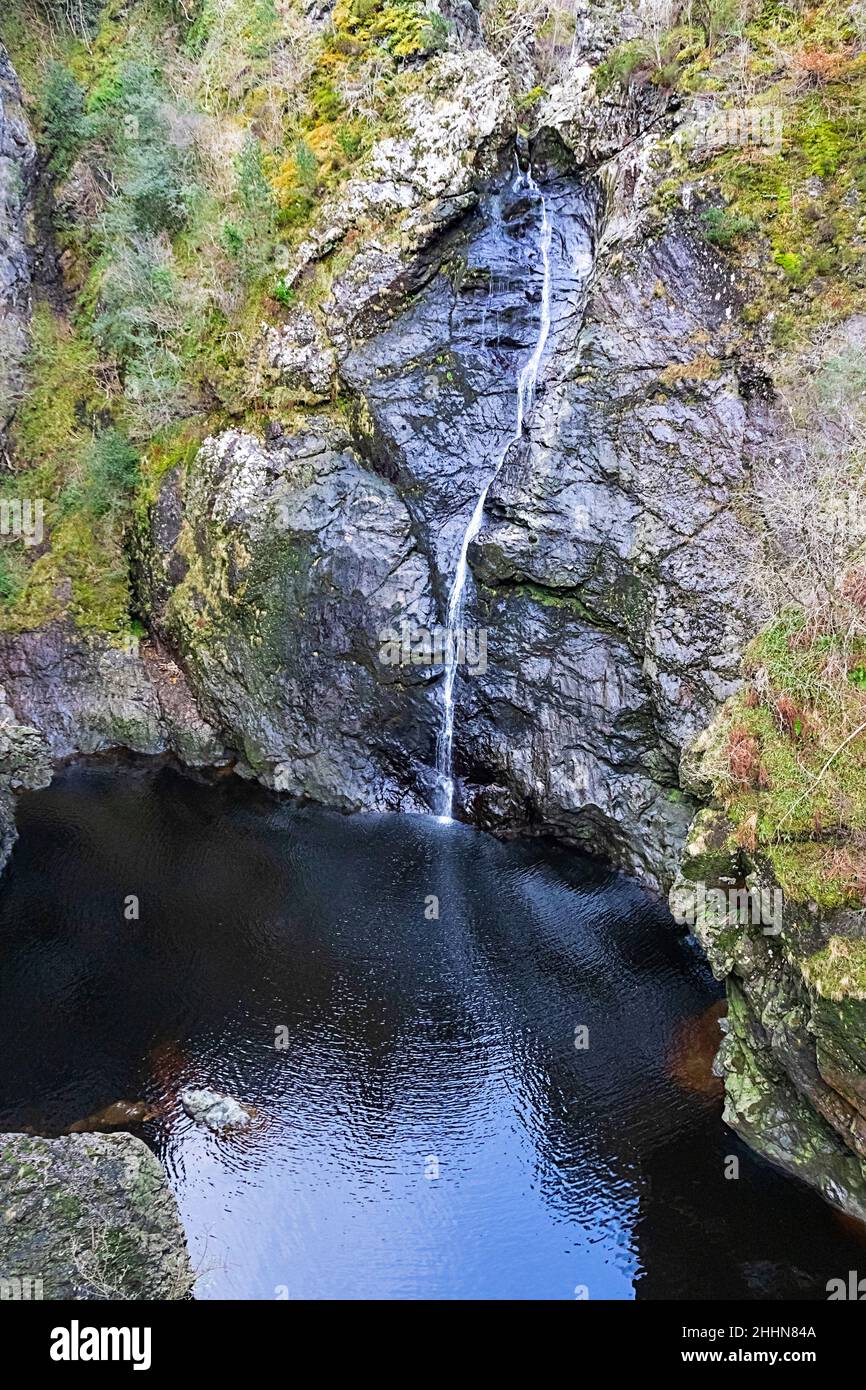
{"x": 436, "y": 392}
{"x": 606, "y": 570}
{"x": 615, "y": 521}
{"x": 17, "y": 164}
{"x": 89, "y": 1216}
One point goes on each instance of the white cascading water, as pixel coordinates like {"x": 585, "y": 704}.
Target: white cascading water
{"x": 526, "y": 382}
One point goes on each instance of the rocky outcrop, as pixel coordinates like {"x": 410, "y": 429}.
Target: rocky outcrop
{"x": 294, "y": 558}
{"x": 88, "y": 1216}
{"x": 793, "y": 1056}
{"x": 415, "y": 186}
{"x": 17, "y": 165}
{"x": 613, "y": 551}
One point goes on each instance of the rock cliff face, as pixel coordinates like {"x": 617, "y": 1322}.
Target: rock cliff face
{"x": 88, "y": 695}
{"x": 793, "y": 1053}
{"x": 276, "y": 569}
{"x": 17, "y": 161}
{"x": 25, "y": 764}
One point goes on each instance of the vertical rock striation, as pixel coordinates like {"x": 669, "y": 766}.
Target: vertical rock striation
{"x": 17, "y": 172}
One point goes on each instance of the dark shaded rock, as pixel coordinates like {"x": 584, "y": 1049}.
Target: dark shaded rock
{"x": 300, "y": 559}
{"x": 25, "y": 762}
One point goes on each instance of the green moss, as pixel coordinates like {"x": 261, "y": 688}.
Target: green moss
{"x": 175, "y": 447}
{"x": 68, "y": 1207}
{"x": 710, "y": 854}
{"x": 61, "y": 393}
{"x": 567, "y": 600}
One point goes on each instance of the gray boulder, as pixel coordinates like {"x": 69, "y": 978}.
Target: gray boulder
{"x": 219, "y": 1112}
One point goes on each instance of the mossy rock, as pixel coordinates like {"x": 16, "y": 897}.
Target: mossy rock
{"x": 91, "y": 1216}
{"x": 710, "y": 854}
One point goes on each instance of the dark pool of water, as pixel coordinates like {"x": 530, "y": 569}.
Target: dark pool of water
{"x": 414, "y": 1046}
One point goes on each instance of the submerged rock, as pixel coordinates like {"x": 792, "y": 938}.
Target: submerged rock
{"x": 121, "y": 1112}
{"x": 219, "y": 1112}
{"x": 89, "y": 1217}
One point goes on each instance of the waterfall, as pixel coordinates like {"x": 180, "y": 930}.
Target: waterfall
{"x": 526, "y": 382}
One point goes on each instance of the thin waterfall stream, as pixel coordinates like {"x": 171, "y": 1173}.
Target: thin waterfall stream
{"x": 526, "y": 383}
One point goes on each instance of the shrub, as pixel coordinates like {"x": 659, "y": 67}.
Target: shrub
{"x": 403, "y": 27}
{"x": 717, "y": 18}
{"x": 253, "y": 188}
{"x": 622, "y": 64}
{"x": 812, "y": 503}
{"x": 789, "y": 716}
{"x": 64, "y": 125}
{"x": 816, "y": 66}
{"x": 721, "y": 226}
{"x": 249, "y": 239}
{"x": 744, "y": 756}
{"x": 110, "y": 473}
{"x": 284, "y": 294}
{"x": 136, "y": 293}
{"x": 153, "y": 170}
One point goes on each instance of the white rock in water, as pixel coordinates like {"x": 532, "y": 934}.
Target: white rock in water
{"x": 215, "y": 1110}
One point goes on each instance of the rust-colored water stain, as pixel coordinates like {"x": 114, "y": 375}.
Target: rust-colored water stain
{"x": 852, "y": 1226}
{"x": 693, "y": 1050}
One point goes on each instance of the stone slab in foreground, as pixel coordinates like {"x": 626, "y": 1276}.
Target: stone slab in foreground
{"x": 92, "y": 1216}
